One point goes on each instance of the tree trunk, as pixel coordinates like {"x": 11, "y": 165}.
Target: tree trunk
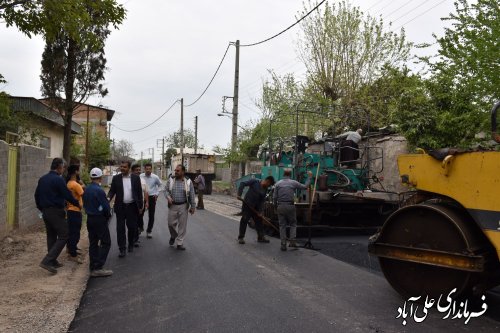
{"x": 68, "y": 103}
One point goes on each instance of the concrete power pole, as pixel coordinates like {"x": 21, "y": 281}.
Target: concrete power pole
{"x": 182, "y": 128}
{"x": 234, "y": 136}
{"x": 196, "y": 134}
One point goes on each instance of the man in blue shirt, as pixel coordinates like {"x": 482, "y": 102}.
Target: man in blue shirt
{"x": 98, "y": 212}
{"x": 254, "y": 198}
{"x": 51, "y": 195}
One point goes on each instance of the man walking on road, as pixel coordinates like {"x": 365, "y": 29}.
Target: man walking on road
{"x": 180, "y": 196}
{"x": 283, "y": 197}
{"x": 154, "y": 184}
{"x": 50, "y": 196}
{"x": 200, "y": 186}
{"x": 129, "y": 200}
{"x": 98, "y": 213}
{"x": 136, "y": 170}
{"x": 252, "y": 204}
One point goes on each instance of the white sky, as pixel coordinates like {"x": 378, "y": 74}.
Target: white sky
{"x": 166, "y": 50}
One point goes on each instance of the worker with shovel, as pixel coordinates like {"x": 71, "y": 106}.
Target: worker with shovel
{"x": 252, "y": 206}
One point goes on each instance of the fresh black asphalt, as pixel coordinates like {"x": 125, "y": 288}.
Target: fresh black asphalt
{"x": 217, "y": 285}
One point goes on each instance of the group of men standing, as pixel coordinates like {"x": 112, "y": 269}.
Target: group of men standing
{"x": 133, "y": 193}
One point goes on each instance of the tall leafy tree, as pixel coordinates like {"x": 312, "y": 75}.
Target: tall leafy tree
{"x": 467, "y": 59}
{"x": 174, "y": 139}
{"x": 344, "y": 49}
{"x": 72, "y": 29}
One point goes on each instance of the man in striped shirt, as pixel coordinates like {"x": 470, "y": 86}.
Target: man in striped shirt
{"x": 180, "y": 197}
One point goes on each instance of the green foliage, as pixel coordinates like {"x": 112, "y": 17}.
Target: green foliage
{"x": 75, "y": 33}
{"x": 468, "y": 52}
{"x": 17, "y": 122}
{"x": 49, "y": 17}
{"x": 122, "y": 150}
{"x": 143, "y": 161}
{"x": 344, "y": 49}
{"x": 99, "y": 149}
{"x": 169, "y": 153}
{"x": 174, "y": 139}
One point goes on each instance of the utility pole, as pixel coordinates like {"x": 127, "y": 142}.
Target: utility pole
{"x": 234, "y": 136}
{"x": 141, "y": 160}
{"x": 182, "y": 128}
{"x": 196, "y": 134}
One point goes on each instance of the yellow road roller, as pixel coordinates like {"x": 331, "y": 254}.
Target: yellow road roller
{"x": 446, "y": 234}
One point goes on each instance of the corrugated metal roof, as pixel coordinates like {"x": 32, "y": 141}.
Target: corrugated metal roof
{"x": 31, "y": 104}
{"x": 109, "y": 112}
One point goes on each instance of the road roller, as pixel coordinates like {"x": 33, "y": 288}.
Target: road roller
{"x": 446, "y": 233}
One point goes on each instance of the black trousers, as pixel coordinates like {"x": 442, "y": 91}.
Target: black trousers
{"x": 99, "y": 240}
{"x": 57, "y": 233}
{"x": 127, "y": 215}
{"x": 74, "y": 227}
{"x": 245, "y": 218}
{"x": 151, "y": 212}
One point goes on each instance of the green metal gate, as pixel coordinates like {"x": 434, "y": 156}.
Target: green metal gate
{"x": 12, "y": 186}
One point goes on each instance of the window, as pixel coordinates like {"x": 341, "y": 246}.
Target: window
{"x": 45, "y": 143}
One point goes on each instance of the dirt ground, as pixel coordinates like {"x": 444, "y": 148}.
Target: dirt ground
{"x": 32, "y": 299}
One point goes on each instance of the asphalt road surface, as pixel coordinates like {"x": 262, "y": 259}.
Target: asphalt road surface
{"x": 217, "y": 285}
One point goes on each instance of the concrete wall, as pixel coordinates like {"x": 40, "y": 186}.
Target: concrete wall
{"x": 4, "y": 153}
{"x": 32, "y": 164}
{"x": 392, "y": 147}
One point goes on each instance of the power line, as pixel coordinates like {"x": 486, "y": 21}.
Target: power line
{"x": 411, "y": 10}
{"x": 397, "y": 9}
{"x": 144, "y": 127}
{"x": 213, "y": 77}
{"x": 283, "y": 31}
{"x": 428, "y": 10}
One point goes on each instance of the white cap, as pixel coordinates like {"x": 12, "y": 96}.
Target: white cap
{"x": 95, "y": 173}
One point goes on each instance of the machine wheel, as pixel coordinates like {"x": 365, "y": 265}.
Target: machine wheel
{"x": 428, "y": 226}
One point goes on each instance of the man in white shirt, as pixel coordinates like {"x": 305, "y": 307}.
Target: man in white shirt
{"x": 349, "y": 148}
{"x": 154, "y": 185}
{"x": 129, "y": 201}
{"x": 136, "y": 170}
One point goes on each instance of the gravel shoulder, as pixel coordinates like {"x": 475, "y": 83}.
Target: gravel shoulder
{"x": 34, "y": 300}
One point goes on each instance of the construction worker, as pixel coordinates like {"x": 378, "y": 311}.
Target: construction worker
{"x": 252, "y": 206}
{"x": 283, "y": 198}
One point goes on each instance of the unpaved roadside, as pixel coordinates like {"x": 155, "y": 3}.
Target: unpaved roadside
{"x": 32, "y": 299}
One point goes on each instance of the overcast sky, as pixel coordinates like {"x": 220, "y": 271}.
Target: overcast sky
{"x": 168, "y": 49}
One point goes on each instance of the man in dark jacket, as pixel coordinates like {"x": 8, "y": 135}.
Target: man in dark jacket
{"x": 127, "y": 190}
{"x": 254, "y": 199}
{"x": 98, "y": 212}
{"x": 51, "y": 195}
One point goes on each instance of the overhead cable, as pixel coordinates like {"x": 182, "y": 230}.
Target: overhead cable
{"x": 283, "y": 31}
{"x": 144, "y": 127}
{"x": 213, "y": 77}
{"x": 425, "y": 12}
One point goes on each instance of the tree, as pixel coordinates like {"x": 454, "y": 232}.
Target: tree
{"x": 73, "y": 69}
{"x": 174, "y": 139}
{"x": 467, "y": 58}
{"x": 344, "y": 49}
{"x": 122, "y": 150}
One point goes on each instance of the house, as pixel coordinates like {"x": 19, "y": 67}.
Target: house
{"x": 45, "y": 122}
{"x": 96, "y": 116}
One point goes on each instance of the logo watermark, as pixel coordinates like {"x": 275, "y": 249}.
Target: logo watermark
{"x": 450, "y": 308}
